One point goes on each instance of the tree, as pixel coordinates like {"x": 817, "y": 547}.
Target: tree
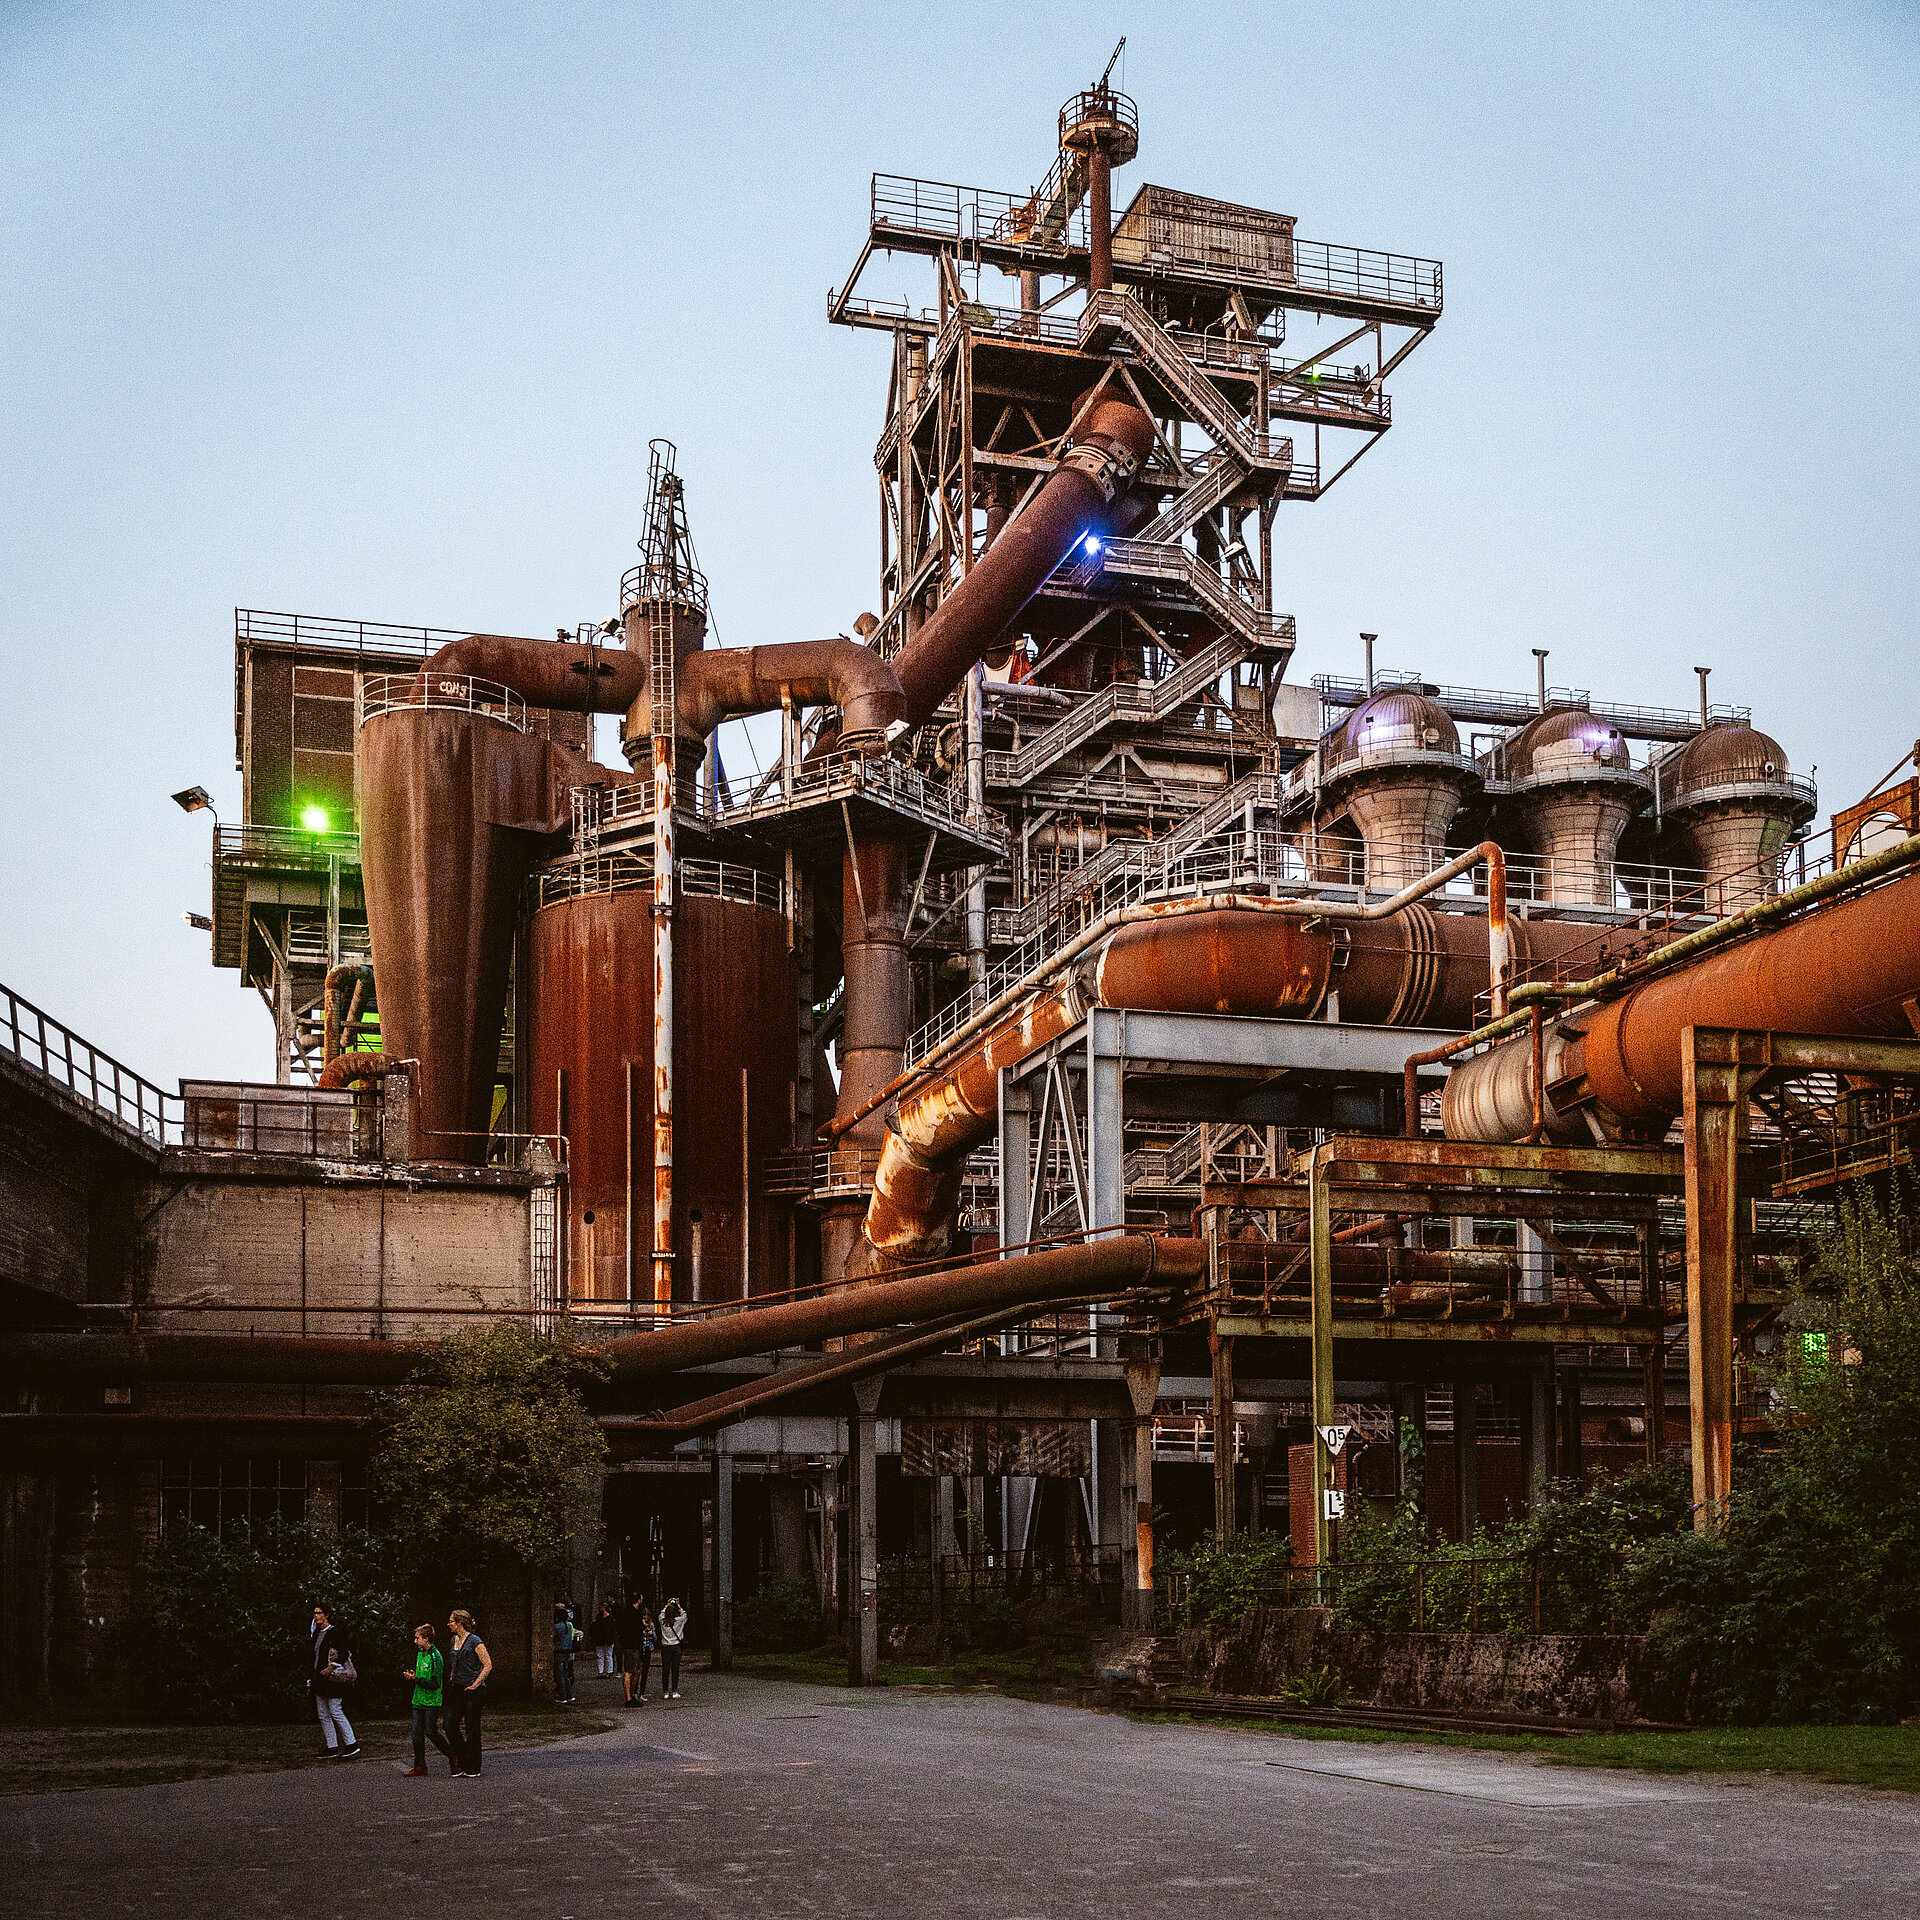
{"x": 490, "y": 1452}
{"x": 1806, "y": 1604}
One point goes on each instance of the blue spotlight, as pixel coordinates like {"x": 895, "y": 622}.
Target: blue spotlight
{"x": 1092, "y": 543}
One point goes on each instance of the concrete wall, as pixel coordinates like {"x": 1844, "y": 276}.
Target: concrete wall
{"x": 1552, "y": 1676}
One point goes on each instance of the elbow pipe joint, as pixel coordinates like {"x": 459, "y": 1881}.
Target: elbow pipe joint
{"x": 715, "y": 685}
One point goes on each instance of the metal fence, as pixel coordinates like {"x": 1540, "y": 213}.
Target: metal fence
{"x": 916, "y": 1591}
{"x": 54, "y": 1053}
{"x": 1457, "y": 1593}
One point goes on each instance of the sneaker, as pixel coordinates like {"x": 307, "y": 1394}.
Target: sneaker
{"x": 675, "y": 1695}
{"x": 350, "y": 1753}
{"x": 414, "y": 1773}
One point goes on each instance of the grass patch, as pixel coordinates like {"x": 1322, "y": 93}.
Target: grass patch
{"x": 1881, "y": 1757}
{"x": 36, "y": 1759}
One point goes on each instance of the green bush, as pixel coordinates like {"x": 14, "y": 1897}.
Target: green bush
{"x": 1805, "y": 1605}
{"x": 781, "y": 1616}
{"x": 1223, "y": 1578}
{"x": 225, "y": 1636}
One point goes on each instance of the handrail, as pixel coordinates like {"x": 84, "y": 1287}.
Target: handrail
{"x": 52, "y": 1050}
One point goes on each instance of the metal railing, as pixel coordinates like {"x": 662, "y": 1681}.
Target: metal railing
{"x": 388, "y": 692}
{"x": 1491, "y": 707}
{"x": 54, "y": 1053}
{"x": 1270, "y": 860}
{"x": 621, "y": 872}
{"x": 251, "y": 624}
{"x": 822, "y": 781}
{"x": 308, "y": 1122}
{"x": 276, "y": 849}
{"x": 820, "y": 1170}
{"x": 914, "y": 1592}
{"x": 1361, "y": 273}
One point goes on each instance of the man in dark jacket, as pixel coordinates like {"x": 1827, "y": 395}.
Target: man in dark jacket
{"x": 630, "y": 1636}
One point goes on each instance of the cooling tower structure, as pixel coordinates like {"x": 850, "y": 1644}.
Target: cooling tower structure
{"x": 1570, "y": 789}
{"x": 1730, "y": 792}
{"x": 1396, "y": 770}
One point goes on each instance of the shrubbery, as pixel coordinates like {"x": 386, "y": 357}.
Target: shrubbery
{"x": 782, "y": 1616}
{"x": 1806, "y": 1605}
{"x": 225, "y": 1636}
{"x": 1223, "y": 1578}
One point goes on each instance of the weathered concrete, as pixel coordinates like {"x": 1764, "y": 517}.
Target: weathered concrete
{"x": 1616, "y": 1677}
{"x": 753, "y": 1799}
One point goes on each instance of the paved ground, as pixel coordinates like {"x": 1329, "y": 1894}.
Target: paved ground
{"x": 753, "y": 1798}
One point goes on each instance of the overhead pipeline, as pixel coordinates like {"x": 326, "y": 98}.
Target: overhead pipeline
{"x": 1850, "y": 967}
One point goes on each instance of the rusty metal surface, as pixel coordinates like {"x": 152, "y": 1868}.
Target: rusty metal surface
{"x": 590, "y": 981}
{"x": 1844, "y": 970}
{"x": 917, "y": 1182}
{"x": 1072, "y": 504}
{"x": 874, "y": 899}
{"x": 455, "y": 809}
{"x": 1102, "y": 1267}
{"x": 839, "y": 673}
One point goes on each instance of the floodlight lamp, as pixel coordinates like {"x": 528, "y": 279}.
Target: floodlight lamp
{"x": 314, "y": 819}
{"x": 1092, "y": 543}
{"x": 198, "y": 921}
{"x": 192, "y": 799}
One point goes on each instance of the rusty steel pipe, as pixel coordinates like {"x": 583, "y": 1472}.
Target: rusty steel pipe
{"x": 1100, "y": 1268}
{"x": 1155, "y": 911}
{"x": 1097, "y": 1270}
{"x": 725, "y": 681}
{"x": 1107, "y": 450}
{"x": 570, "y": 676}
{"x": 1845, "y": 969}
{"x": 345, "y": 1068}
{"x": 918, "y": 1179}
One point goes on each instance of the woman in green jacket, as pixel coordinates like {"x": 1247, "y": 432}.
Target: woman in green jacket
{"x": 427, "y": 1673}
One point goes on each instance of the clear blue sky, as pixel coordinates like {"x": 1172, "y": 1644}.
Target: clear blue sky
{"x": 371, "y": 310}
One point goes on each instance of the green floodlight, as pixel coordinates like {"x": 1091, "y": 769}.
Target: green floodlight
{"x": 314, "y": 819}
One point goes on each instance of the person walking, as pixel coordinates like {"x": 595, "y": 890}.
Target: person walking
{"x": 467, "y": 1672}
{"x": 673, "y": 1633}
{"x": 633, "y": 1632}
{"x": 606, "y": 1630}
{"x": 428, "y": 1674}
{"x": 562, "y": 1654}
{"x": 329, "y": 1678}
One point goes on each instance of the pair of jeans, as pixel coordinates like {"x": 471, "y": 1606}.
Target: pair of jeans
{"x": 426, "y": 1726}
{"x": 463, "y": 1728}
{"x": 669, "y": 1670}
{"x": 333, "y": 1715}
{"x": 603, "y": 1659}
{"x": 563, "y": 1676}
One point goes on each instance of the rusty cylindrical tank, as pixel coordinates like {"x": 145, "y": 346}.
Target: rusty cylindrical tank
{"x": 590, "y": 1076}
{"x": 1845, "y": 969}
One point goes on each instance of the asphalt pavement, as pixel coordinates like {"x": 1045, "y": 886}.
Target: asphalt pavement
{"x": 755, "y": 1798}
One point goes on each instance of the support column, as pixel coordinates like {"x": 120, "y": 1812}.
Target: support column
{"x": 1016, "y": 1157}
{"x": 1142, "y": 1362}
{"x": 1570, "y": 1424}
{"x": 722, "y": 1654}
{"x": 1536, "y": 1433}
{"x": 1466, "y": 1460}
{"x": 1106, "y": 1123}
{"x": 1713, "y": 1120}
{"x": 1320, "y": 1198}
{"x": 863, "y": 1541}
{"x": 1653, "y": 1362}
{"x": 1226, "y": 1521}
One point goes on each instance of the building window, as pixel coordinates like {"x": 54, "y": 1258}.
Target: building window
{"x": 229, "y": 1497}
{"x": 356, "y": 1500}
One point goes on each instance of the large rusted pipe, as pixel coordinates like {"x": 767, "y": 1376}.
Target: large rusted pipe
{"x": 1098, "y": 1269}
{"x": 1106, "y": 452}
{"x": 725, "y": 681}
{"x": 918, "y": 1180}
{"x": 571, "y": 676}
{"x": 1847, "y": 968}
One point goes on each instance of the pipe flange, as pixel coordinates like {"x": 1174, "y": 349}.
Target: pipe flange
{"x": 1109, "y": 470}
